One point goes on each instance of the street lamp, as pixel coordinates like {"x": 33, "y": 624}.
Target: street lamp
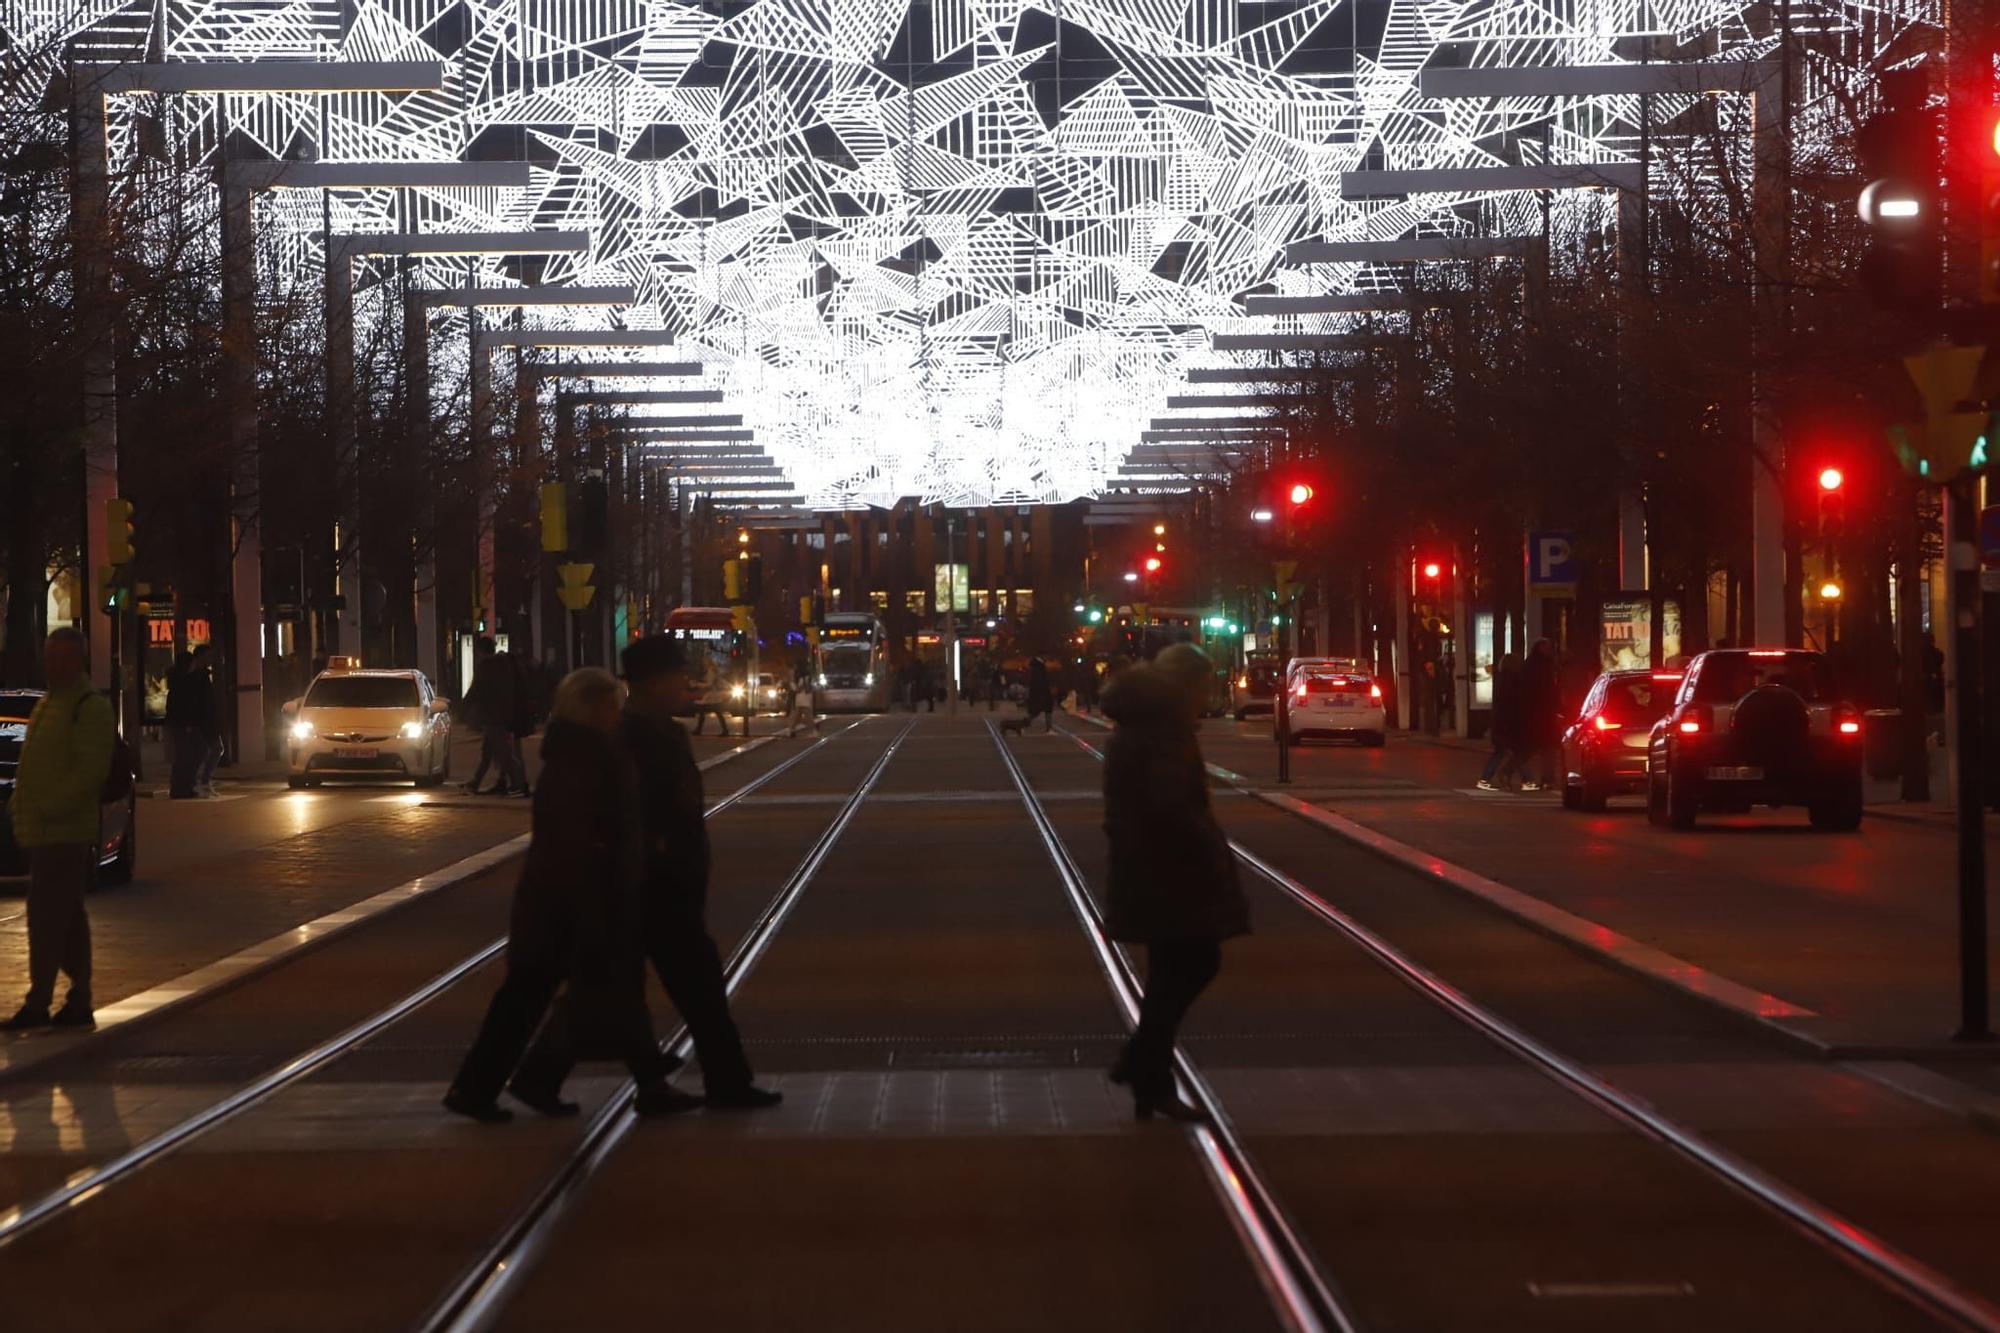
{"x": 1131, "y": 576}
{"x": 1261, "y": 516}
{"x": 1829, "y": 591}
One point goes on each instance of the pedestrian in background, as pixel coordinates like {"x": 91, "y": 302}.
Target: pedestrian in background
{"x": 574, "y": 921}
{"x": 802, "y": 713}
{"x": 1541, "y": 714}
{"x": 183, "y": 734}
{"x": 996, "y": 685}
{"x": 1173, "y": 885}
{"x": 58, "y": 788}
{"x": 207, "y": 721}
{"x": 489, "y": 704}
{"x": 1505, "y": 725}
{"x": 1041, "y": 695}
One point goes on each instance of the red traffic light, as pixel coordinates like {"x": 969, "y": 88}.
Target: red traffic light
{"x": 1831, "y": 479}
{"x": 1432, "y": 569}
{"x": 1152, "y": 564}
{"x": 1301, "y": 492}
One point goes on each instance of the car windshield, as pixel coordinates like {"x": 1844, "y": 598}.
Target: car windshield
{"x": 1335, "y": 682}
{"x": 1263, "y": 675}
{"x": 1726, "y": 678}
{"x": 363, "y": 692}
{"x": 1637, "y": 698}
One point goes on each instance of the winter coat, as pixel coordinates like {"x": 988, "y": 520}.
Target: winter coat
{"x": 1541, "y": 702}
{"x": 576, "y": 905}
{"x": 1041, "y": 697}
{"x": 1507, "y": 705}
{"x": 62, "y": 766}
{"x": 674, "y": 833}
{"x": 1172, "y": 874}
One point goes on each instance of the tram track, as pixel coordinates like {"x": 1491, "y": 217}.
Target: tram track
{"x": 83, "y": 1186}
{"x": 1896, "y": 1271}
{"x": 476, "y": 1299}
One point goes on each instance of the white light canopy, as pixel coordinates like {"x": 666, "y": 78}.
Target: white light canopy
{"x": 962, "y": 250}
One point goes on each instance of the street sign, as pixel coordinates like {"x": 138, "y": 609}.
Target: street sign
{"x": 1552, "y": 562}
{"x": 575, "y": 592}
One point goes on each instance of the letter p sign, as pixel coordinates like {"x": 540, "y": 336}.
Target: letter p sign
{"x": 1552, "y": 562}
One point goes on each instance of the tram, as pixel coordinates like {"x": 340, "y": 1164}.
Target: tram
{"x": 851, "y": 666}
{"x": 719, "y": 654}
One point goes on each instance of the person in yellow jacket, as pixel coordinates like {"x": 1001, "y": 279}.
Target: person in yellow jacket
{"x": 55, "y": 810}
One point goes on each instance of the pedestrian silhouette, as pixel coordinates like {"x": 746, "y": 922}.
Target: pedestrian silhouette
{"x": 1173, "y": 885}
{"x": 573, "y": 921}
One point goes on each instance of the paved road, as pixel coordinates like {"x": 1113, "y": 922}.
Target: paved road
{"x": 950, "y": 1155}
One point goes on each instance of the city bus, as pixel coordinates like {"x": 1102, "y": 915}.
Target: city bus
{"x": 851, "y": 667}
{"x": 718, "y": 653}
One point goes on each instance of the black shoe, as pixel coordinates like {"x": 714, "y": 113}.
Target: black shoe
{"x": 486, "y": 1113}
{"x": 26, "y": 1019}
{"x": 662, "y": 1099}
{"x": 547, "y": 1103}
{"x": 75, "y": 1013}
{"x": 749, "y": 1097}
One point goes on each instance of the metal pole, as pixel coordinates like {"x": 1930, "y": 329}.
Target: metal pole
{"x": 239, "y": 361}
{"x": 1767, "y": 448}
{"x": 346, "y": 443}
{"x": 90, "y": 222}
{"x": 1961, "y": 517}
{"x": 951, "y": 616}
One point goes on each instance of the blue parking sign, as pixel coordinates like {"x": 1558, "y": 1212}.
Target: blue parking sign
{"x": 1552, "y": 562}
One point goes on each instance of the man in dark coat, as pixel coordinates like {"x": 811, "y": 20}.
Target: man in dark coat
{"x": 1173, "y": 884}
{"x": 1541, "y": 712}
{"x": 574, "y": 913}
{"x": 1505, "y": 725}
{"x": 1041, "y": 695}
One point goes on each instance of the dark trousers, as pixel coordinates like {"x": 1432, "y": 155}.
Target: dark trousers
{"x": 190, "y": 749}
{"x": 58, "y": 925}
{"x": 690, "y": 967}
{"x": 524, "y": 998}
{"x": 1176, "y": 972}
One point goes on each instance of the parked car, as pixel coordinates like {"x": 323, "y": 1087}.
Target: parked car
{"x": 1257, "y": 684}
{"x": 117, "y": 821}
{"x": 1750, "y": 727}
{"x": 1604, "y": 750}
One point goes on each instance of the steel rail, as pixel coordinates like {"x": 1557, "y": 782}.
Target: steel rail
{"x": 1860, "y": 1249}
{"x": 1300, "y": 1292}
{"x": 87, "y": 1184}
{"x": 482, "y": 1291}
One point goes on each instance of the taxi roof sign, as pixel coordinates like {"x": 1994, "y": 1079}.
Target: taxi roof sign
{"x": 343, "y": 664}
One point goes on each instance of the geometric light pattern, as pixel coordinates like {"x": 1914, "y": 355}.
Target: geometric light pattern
{"x": 982, "y": 290}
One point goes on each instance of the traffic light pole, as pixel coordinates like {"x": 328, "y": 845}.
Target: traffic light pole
{"x": 1961, "y": 516}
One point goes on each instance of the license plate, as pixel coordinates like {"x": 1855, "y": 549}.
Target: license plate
{"x": 1336, "y": 701}
{"x": 1737, "y": 773}
{"x": 354, "y": 752}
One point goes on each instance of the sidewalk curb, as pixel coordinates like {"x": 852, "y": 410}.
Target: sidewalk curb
{"x": 211, "y": 979}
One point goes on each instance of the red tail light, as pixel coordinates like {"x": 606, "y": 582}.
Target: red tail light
{"x": 1847, "y": 722}
{"x": 1301, "y": 690}
{"x": 1374, "y": 690}
{"x": 1695, "y": 721}
{"x": 1603, "y": 723}
{"x": 1690, "y": 726}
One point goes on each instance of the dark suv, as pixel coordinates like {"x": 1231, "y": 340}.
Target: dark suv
{"x": 1757, "y": 727}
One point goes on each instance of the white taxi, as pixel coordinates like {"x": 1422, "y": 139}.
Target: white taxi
{"x": 1332, "y": 696}
{"x": 356, "y": 723}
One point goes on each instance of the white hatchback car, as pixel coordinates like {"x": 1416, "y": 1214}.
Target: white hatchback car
{"x": 353, "y": 723}
{"x": 1331, "y": 697}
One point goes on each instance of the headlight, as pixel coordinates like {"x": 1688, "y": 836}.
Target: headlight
{"x": 303, "y": 731}
{"x": 821, "y": 678}
{"x": 413, "y": 731}
{"x": 868, "y": 679}
{"x": 736, "y": 691}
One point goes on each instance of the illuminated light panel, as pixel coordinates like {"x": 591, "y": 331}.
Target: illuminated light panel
{"x": 980, "y": 292}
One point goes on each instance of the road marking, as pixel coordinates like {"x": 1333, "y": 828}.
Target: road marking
{"x": 21, "y": 1053}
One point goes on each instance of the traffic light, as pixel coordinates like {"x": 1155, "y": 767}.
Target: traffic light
{"x": 1832, "y": 483}
{"x": 1299, "y": 494}
{"x": 1153, "y": 564}
{"x": 732, "y": 581}
{"x": 555, "y": 517}
{"x": 118, "y": 532}
{"x": 1898, "y": 150}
